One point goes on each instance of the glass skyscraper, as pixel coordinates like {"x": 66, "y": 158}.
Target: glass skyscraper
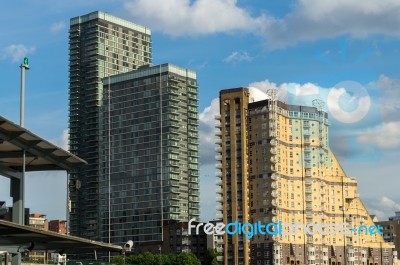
{"x": 149, "y": 169}
{"x": 99, "y": 45}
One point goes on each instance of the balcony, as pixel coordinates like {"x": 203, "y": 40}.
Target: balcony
{"x": 218, "y": 182}
{"x": 274, "y": 176}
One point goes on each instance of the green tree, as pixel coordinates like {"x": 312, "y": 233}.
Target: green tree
{"x": 211, "y": 257}
{"x": 118, "y": 260}
{"x": 215, "y": 261}
{"x": 154, "y": 259}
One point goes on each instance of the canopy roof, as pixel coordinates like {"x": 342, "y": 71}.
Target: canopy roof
{"x": 40, "y": 153}
{"x": 14, "y": 236}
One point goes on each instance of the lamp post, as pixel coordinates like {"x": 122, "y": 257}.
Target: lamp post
{"x": 24, "y": 66}
{"x": 17, "y": 190}
{"x": 159, "y": 248}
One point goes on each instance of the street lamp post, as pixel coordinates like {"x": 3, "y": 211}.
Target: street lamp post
{"x": 17, "y": 190}
{"x": 24, "y": 66}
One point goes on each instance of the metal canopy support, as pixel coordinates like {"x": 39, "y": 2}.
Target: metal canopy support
{"x": 9, "y": 173}
{"x": 32, "y": 147}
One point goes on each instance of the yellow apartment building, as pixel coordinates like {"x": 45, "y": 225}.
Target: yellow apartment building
{"x": 274, "y": 165}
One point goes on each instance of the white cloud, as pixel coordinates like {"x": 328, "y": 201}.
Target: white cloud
{"x": 306, "y": 89}
{"x": 382, "y": 207}
{"x": 57, "y": 26}
{"x": 62, "y": 140}
{"x": 16, "y": 52}
{"x": 309, "y": 20}
{"x": 295, "y": 89}
{"x": 264, "y": 85}
{"x": 238, "y": 56}
{"x": 320, "y": 19}
{"x": 198, "y": 17}
{"x": 386, "y": 137}
{"x": 389, "y": 93}
{"x": 207, "y": 132}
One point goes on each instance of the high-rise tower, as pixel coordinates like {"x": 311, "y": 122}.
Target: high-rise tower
{"x": 149, "y": 153}
{"x": 277, "y": 166}
{"x": 99, "y": 45}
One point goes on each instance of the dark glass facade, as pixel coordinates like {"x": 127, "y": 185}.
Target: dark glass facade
{"x": 99, "y": 45}
{"x": 149, "y": 151}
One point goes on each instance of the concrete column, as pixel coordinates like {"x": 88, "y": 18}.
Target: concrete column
{"x": 16, "y": 259}
{"x": 17, "y": 193}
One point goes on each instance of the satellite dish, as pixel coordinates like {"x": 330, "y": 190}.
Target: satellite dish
{"x": 75, "y": 185}
{"x": 78, "y": 184}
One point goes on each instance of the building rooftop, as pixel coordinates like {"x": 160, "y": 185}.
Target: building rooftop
{"x": 149, "y": 70}
{"x": 110, "y": 18}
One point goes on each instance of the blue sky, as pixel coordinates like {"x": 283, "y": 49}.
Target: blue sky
{"x": 306, "y": 48}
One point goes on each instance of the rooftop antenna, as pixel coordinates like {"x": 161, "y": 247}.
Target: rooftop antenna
{"x": 319, "y": 104}
{"x": 272, "y": 93}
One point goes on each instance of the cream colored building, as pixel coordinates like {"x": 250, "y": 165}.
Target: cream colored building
{"x": 275, "y": 164}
